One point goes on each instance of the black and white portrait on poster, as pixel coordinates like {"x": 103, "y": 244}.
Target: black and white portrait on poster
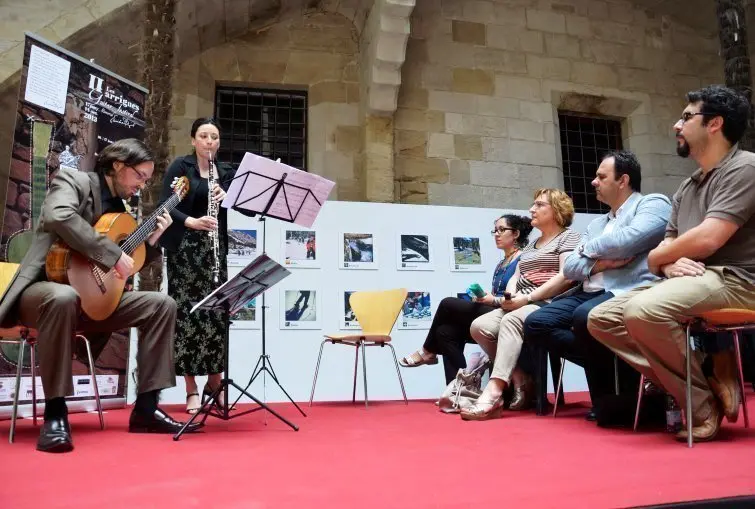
{"x": 414, "y": 252}
{"x": 300, "y": 309}
{"x": 466, "y": 255}
{"x": 416, "y": 312}
{"x": 349, "y": 318}
{"x": 242, "y": 247}
{"x": 300, "y": 249}
{"x": 359, "y": 251}
{"x": 247, "y": 317}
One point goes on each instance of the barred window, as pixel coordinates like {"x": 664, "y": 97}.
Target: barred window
{"x": 584, "y": 141}
{"x": 269, "y": 123}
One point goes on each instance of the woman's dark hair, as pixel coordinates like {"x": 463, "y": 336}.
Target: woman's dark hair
{"x": 724, "y": 102}
{"x": 203, "y": 121}
{"x": 520, "y": 224}
{"x": 129, "y": 151}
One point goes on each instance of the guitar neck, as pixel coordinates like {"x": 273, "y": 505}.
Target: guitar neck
{"x": 139, "y": 236}
{"x": 41, "y": 134}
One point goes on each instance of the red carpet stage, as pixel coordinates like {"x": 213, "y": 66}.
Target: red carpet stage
{"x": 389, "y": 456}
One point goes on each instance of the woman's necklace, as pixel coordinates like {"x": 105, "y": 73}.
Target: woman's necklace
{"x": 507, "y": 260}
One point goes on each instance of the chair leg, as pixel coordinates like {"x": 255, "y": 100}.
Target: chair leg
{"x": 33, "y": 359}
{"x": 364, "y": 373}
{"x": 14, "y": 410}
{"x": 90, "y": 359}
{"x": 689, "y": 385}
{"x": 640, "y": 393}
{"x": 558, "y": 387}
{"x": 616, "y": 374}
{"x": 356, "y": 365}
{"x": 317, "y": 370}
{"x": 398, "y": 372}
{"x": 741, "y": 378}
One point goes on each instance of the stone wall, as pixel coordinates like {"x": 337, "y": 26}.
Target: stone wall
{"x": 479, "y": 86}
{"x": 317, "y": 52}
{"x": 54, "y": 21}
{"x": 483, "y": 81}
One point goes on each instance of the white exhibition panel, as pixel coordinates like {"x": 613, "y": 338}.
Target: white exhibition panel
{"x": 293, "y": 352}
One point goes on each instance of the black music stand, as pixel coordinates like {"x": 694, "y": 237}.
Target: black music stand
{"x": 272, "y": 189}
{"x": 230, "y": 297}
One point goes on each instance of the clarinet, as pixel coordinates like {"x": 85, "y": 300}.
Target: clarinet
{"x": 212, "y": 211}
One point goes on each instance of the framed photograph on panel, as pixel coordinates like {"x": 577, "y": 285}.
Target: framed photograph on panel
{"x": 242, "y": 247}
{"x": 349, "y": 320}
{"x": 466, "y": 255}
{"x": 416, "y": 312}
{"x": 300, "y": 249}
{"x": 300, "y": 309}
{"x": 358, "y": 251}
{"x": 414, "y": 252}
{"x": 246, "y": 318}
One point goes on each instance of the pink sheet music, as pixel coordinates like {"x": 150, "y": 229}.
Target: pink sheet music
{"x": 298, "y": 201}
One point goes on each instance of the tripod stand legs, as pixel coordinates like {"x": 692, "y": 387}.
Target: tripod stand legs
{"x": 225, "y": 415}
{"x": 262, "y": 365}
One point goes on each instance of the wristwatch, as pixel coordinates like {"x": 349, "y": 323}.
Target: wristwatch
{"x": 529, "y": 298}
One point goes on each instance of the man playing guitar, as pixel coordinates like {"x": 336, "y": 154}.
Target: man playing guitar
{"x": 74, "y": 203}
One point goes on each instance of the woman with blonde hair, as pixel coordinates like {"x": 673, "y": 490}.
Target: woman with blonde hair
{"x": 538, "y": 278}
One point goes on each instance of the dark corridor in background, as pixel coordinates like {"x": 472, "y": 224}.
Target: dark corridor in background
{"x": 584, "y": 141}
{"x": 269, "y": 123}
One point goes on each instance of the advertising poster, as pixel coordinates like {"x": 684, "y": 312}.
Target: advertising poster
{"x": 300, "y": 249}
{"x": 300, "y": 309}
{"x": 242, "y": 247}
{"x": 466, "y": 255}
{"x": 416, "y": 312}
{"x": 358, "y": 251}
{"x": 349, "y": 321}
{"x": 69, "y": 109}
{"x": 414, "y": 252}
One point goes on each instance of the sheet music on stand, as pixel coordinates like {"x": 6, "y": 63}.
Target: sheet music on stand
{"x": 262, "y": 273}
{"x": 277, "y": 190}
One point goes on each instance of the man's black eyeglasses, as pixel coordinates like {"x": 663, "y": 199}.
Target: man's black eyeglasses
{"x": 687, "y": 115}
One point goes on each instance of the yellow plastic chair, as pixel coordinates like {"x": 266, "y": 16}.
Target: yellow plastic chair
{"x": 376, "y": 313}
{"x": 25, "y": 336}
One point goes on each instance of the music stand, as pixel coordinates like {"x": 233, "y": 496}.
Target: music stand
{"x": 272, "y": 189}
{"x": 230, "y": 297}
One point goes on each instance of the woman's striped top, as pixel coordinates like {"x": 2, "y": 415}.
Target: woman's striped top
{"x": 538, "y": 264}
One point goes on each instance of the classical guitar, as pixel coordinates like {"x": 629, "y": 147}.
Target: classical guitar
{"x": 20, "y": 242}
{"x": 101, "y": 291}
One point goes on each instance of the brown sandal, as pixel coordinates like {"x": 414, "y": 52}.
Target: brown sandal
{"x": 417, "y": 359}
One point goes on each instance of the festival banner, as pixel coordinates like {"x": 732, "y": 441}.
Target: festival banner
{"x": 69, "y": 109}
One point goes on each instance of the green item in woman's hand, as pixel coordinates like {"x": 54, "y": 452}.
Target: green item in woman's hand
{"x": 475, "y": 290}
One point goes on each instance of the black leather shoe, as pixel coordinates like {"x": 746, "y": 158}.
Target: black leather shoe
{"x": 157, "y": 422}
{"x": 55, "y": 436}
{"x": 591, "y": 416}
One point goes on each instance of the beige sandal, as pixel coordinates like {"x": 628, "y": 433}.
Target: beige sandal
{"x": 191, "y": 410}
{"x": 417, "y": 359}
{"x": 478, "y": 412}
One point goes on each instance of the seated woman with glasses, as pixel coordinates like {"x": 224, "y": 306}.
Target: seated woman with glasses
{"x": 449, "y": 331}
{"x": 538, "y": 278}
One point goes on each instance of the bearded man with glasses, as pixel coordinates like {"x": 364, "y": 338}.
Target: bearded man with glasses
{"x": 707, "y": 259}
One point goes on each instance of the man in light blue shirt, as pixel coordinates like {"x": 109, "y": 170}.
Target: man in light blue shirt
{"x": 611, "y": 259}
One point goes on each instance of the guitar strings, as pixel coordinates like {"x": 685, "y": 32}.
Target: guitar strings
{"x": 128, "y": 246}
